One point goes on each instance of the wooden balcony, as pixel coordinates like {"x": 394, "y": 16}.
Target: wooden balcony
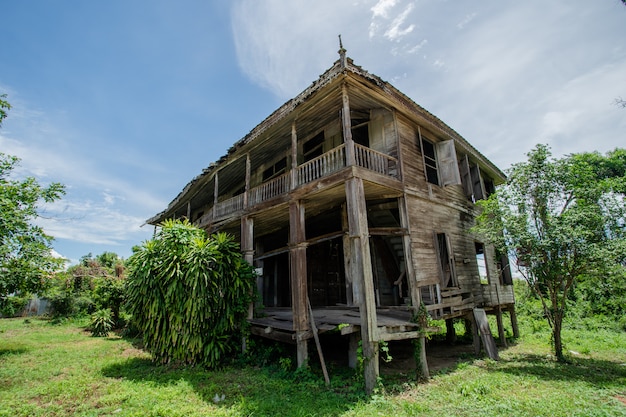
{"x": 315, "y": 169}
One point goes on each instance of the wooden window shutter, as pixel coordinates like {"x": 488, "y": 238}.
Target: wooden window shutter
{"x": 376, "y": 130}
{"x": 448, "y": 165}
{"x": 477, "y": 183}
{"x": 466, "y": 177}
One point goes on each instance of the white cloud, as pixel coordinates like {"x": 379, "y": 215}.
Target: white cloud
{"x": 90, "y": 222}
{"x": 395, "y": 31}
{"x": 468, "y": 18}
{"x": 101, "y": 206}
{"x": 505, "y": 75}
{"x": 382, "y": 8}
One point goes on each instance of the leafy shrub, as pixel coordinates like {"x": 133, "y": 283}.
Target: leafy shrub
{"x": 189, "y": 294}
{"x": 62, "y": 302}
{"x": 12, "y": 305}
{"x": 101, "y": 322}
{"x": 109, "y": 293}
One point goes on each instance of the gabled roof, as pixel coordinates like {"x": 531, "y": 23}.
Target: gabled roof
{"x": 342, "y": 67}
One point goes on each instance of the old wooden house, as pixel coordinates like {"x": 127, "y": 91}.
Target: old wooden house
{"x": 355, "y": 205}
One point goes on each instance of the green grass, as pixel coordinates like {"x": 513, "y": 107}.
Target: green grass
{"x": 59, "y": 369}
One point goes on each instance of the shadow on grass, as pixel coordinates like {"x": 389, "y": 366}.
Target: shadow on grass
{"x": 597, "y": 372}
{"x": 248, "y": 389}
{"x": 12, "y": 351}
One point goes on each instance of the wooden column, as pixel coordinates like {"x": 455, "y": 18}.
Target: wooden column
{"x": 514, "y": 325}
{"x": 362, "y": 278}
{"x": 294, "y": 156}
{"x": 450, "y": 331}
{"x": 298, "y": 279}
{"x": 216, "y": 188}
{"x": 347, "y": 255}
{"x": 411, "y": 279}
{"x": 247, "y": 248}
{"x": 347, "y": 126}
{"x": 501, "y": 332}
{"x": 247, "y": 189}
{"x": 475, "y": 334}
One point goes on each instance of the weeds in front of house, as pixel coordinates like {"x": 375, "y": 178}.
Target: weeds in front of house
{"x": 58, "y": 369}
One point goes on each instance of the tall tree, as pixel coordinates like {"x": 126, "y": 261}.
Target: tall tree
{"x": 4, "y": 106}
{"x": 560, "y": 219}
{"x": 25, "y": 250}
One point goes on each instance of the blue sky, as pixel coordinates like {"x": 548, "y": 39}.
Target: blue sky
{"x": 126, "y": 101}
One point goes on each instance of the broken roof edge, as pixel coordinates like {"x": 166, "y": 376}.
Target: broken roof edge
{"x": 339, "y": 67}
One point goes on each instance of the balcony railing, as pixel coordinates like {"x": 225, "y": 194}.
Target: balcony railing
{"x": 322, "y": 166}
{"x": 374, "y": 160}
{"x": 270, "y": 189}
{"x": 227, "y": 207}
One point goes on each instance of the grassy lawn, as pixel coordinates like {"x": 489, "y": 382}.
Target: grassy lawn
{"x": 59, "y": 369}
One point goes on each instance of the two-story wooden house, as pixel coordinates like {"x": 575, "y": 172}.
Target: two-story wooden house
{"x": 355, "y": 204}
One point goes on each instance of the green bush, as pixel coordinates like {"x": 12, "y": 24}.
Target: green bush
{"x": 62, "y": 302}
{"x": 189, "y": 294}
{"x": 13, "y": 305}
{"x": 101, "y": 322}
{"x": 109, "y": 293}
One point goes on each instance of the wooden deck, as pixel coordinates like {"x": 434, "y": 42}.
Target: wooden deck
{"x": 393, "y": 324}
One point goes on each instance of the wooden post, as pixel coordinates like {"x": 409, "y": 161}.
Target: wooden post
{"x": 353, "y": 347}
{"x": 294, "y": 156}
{"x": 347, "y": 126}
{"x": 411, "y": 279}
{"x": 513, "y": 316}
{"x": 425, "y": 373}
{"x": 475, "y": 334}
{"x": 347, "y": 256}
{"x": 216, "y": 188}
{"x": 247, "y": 186}
{"x": 501, "y": 333}
{"x": 362, "y": 278}
{"x": 247, "y": 248}
{"x": 450, "y": 331}
{"x": 298, "y": 279}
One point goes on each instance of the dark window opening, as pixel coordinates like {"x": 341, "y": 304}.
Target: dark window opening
{"x": 275, "y": 170}
{"x": 326, "y": 273}
{"x": 446, "y": 262}
{"x": 324, "y": 223}
{"x": 276, "y": 285}
{"x": 360, "y": 135}
{"x": 481, "y": 262}
{"x": 430, "y": 162}
{"x": 504, "y": 269}
{"x": 489, "y": 187}
{"x": 314, "y": 147}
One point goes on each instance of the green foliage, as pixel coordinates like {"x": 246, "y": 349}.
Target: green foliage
{"x": 93, "y": 284}
{"x": 562, "y": 219}
{"x": 189, "y": 294}
{"x": 13, "y": 305}
{"x": 109, "y": 294}
{"x": 101, "y": 322}
{"x": 25, "y": 258}
{"x": 4, "y": 106}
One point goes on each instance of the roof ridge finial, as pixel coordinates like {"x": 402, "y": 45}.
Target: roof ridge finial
{"x": 342, "y": 53}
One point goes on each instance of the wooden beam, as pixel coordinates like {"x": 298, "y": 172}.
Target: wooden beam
{"x": 317, "y": 343}
{"x": 297, "y": 276}
{"x": 360, "y": 268}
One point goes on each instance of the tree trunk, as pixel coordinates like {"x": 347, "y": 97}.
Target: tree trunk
{"x": 556, "y": 335}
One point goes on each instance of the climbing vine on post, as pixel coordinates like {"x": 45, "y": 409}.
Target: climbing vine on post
{"x": 188, "y": 294}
